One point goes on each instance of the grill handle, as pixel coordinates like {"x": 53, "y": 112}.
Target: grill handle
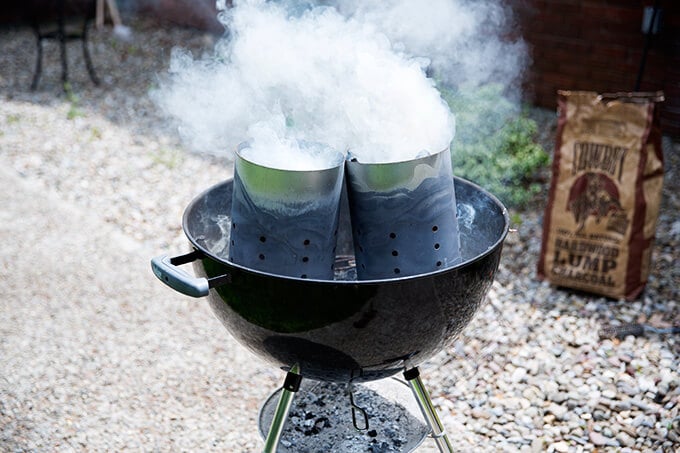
{"x": 167, "y": 271}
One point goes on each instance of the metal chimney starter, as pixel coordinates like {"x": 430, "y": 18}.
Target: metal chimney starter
{"x": 403, "y": 216}
{"x": 285, "y": 222}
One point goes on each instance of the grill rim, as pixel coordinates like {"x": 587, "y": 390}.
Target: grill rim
{"x": 463, "y": 263}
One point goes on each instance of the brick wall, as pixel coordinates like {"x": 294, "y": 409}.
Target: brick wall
{"x": 598, "y": 45}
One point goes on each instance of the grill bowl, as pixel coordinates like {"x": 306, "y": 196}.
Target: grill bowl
{"x": 343, "y": 330}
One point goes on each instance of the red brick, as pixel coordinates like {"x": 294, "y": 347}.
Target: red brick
{"x": 611, "y": 11}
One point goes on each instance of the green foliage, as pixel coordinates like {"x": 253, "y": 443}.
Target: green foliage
{"x": 167, "y": 157}
{"x": 74, "y": 109}
{"x": 96, "y": 133}
{"x": 516, "y": 219}
{"x": 495, "y": 144}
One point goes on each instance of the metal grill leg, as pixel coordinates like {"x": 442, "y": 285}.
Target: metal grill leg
{"x": 426, "y": 407}
{"x": 290, "y": 386}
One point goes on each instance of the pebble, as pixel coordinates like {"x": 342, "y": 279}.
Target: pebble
{"x": 609, "y": 393}
{"x": 478, "y": 412}
{"x": 518, "y": 375}
{"x": 560, "y": 447}
{"x": 625, "y": 439}
{"x": 558, "y": 411}
{"x": 601, "y": 440}
{"x": 531, "y": 360}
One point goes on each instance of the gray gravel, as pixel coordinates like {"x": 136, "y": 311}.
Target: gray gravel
{"x": 96, "y": 355}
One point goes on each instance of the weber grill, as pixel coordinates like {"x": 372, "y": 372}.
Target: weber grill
{"x": 353, "y": 328}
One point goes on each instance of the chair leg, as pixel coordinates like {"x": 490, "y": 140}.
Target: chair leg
{"x": 38, "y": 63}
{"x": 61, "y": 35}
{"x": 86, "y": 56}
{"x": 64, "y": 60}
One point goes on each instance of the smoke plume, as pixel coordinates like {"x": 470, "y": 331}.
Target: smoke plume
{"x": 361, "y": 76}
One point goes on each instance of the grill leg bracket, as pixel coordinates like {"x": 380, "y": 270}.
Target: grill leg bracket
{"x": 412, "y": 376}
{"x": 290, "y": 386}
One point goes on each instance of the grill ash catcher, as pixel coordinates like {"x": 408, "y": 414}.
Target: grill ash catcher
{"x": 314, "y": 318}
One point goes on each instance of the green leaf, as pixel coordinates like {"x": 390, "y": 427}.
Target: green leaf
{"x": 495, "y": 144}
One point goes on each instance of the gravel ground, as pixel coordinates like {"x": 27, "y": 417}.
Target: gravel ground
{"x": 96, "y": 355}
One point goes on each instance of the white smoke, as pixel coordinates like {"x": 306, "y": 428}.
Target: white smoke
{"x": 351, "y": 74}
{"x": 468, "y": 42}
